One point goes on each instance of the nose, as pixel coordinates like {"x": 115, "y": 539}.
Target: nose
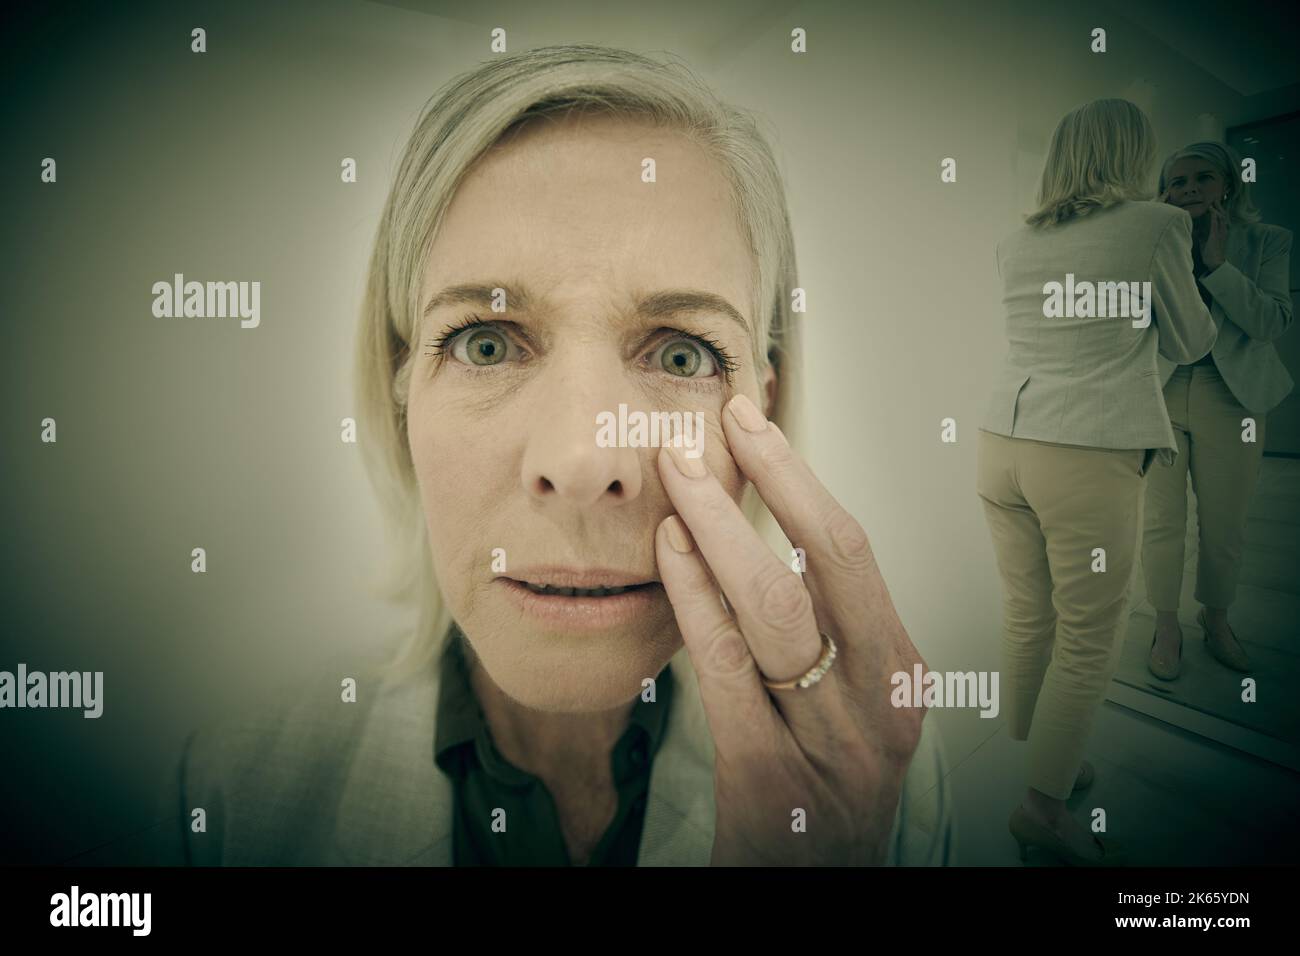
{"x": 563, "y": 463}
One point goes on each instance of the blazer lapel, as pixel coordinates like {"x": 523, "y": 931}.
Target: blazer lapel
{"x": 679, "y": 818}
{"x": 396, "y": 807}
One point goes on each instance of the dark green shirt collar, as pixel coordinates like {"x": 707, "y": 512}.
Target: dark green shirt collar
{"x": 460, "y": 720}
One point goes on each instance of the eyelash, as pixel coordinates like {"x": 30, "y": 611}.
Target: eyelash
{"x": 726, "y": 362}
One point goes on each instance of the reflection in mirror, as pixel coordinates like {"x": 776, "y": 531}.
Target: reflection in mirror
{"x": 1214, "y": 608}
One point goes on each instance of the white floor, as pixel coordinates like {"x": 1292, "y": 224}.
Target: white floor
{"x": 1171, "y": 797}
{"x": 1265, "y": 618}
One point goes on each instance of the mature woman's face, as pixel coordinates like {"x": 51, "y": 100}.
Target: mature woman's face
{"x": 617, "y": 292}
{"x": 1195, "y": 185}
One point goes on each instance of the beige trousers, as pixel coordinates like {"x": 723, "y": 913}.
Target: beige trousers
{"x": 1224, "y": 468}
{"x": 1065, "y": 521}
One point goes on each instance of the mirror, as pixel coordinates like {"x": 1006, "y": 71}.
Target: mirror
{"x": 1257, "y": 711}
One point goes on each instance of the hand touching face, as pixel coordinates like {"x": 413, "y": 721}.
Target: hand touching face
{"x": 838, "y": 750}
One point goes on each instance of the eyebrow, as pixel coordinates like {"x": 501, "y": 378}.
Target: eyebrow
{"x": 658, "y": 305}
{"x": 476, "y": 293}
{"x": 672, "y": 302}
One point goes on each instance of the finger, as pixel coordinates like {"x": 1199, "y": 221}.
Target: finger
{"x": 773, "y": 608}
{"x": 736, "y": 704}
{"x": 739, "y": 708}
{"x": 841, "y": 569}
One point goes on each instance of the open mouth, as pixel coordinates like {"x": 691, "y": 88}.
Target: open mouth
{"x": 583, "y": 592}
{"x": 569, "y": 601}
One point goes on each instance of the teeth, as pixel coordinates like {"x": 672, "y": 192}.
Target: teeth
{"x": 573, "y": 592}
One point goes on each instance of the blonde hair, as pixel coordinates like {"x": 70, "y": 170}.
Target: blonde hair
{"x": 1101, "y": 154}
{"x": 1240, "y": 204}
{"x": 457, "y": 125}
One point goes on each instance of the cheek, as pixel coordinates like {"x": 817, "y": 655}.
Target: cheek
{"x": 717, "y": 455}
{"x": 731, "y": 479}
{"x": 453, "y": 478}
{"x": 456, "y": 447}
{"x": 428, "y": 444}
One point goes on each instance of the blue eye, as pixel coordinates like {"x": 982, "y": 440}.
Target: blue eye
{"x": 483, "y": 346}
{"x": 684, "y": 354}
{"x": 684, "y": 357}
{"x": 475, "y": 342}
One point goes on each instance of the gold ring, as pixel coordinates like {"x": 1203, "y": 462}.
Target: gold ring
{"x": 814, "y": 674}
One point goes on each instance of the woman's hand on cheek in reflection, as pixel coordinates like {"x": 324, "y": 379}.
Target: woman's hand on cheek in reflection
{"x": 1214, "y": 245}
{"x": 837, "y": 750}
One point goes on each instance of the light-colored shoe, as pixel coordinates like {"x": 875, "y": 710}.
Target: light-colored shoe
{"x": 1085, "y": 778}
{"x": 1231, "y": 656}
{"x": 1162, "y": 668}
{"x": 1029, "y": 832}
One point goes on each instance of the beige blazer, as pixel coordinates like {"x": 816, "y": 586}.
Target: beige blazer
{"x": 314, "y": 781}
{"x": 1094, "y": 380}
{"x": 1252, "y": 308}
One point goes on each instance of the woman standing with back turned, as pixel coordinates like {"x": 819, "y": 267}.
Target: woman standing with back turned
{"x": 1072, "y": 425}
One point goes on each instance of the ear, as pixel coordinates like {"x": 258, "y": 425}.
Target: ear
{"x": 768, "y": 386}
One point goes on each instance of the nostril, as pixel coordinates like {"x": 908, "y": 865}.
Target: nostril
{"x": 616, "y": 486}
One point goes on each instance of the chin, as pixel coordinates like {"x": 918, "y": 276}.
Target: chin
{"x": 557, "y": 671}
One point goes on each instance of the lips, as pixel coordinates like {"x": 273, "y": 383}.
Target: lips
{"x": 584, "y": 582}
{"x": 566, "y": 601}
{"x": 577, "y": 592}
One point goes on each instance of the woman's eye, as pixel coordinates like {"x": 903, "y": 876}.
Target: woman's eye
{"x": 480, "y": 347}
{"x": 684, "y": 358}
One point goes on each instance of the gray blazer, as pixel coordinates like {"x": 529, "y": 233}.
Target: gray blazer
{"x": 1252, "y": 308}
{"x": 1094, "y": 381}
{"x": 315, "y": 781}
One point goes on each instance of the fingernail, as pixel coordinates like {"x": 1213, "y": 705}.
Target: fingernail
{"x": 690, "y": 467}
{"x": 747, "y": 414}
{"x": 678, "y": 536}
